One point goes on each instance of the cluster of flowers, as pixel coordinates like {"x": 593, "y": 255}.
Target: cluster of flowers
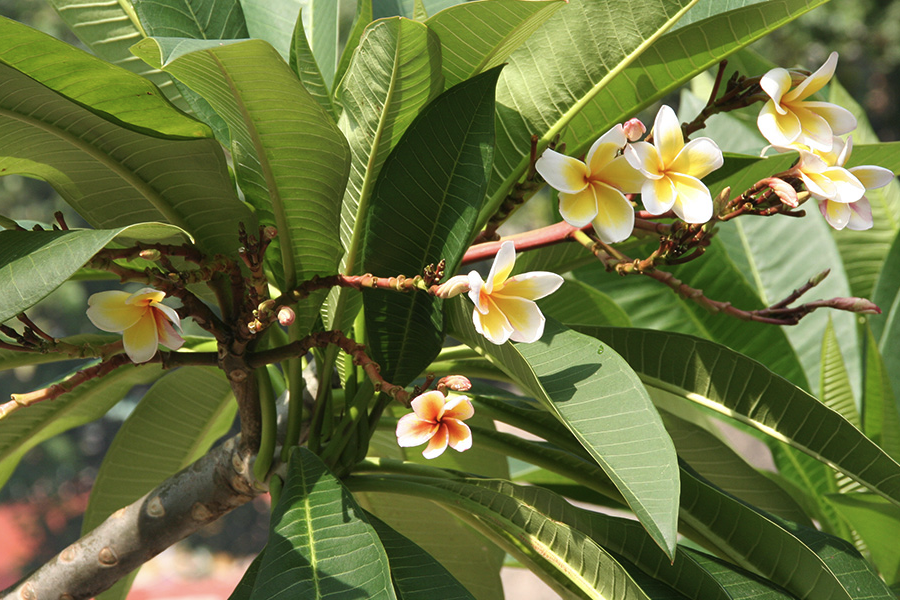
{"x": 667, "y": 173}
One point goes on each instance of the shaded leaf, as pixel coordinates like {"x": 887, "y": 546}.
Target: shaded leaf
{"x": 878, "y": 523}
{"x": 576, "y": 302}
{"x": 881, "y": 421}
{"x": 834, "y": 384}
{"x": 303, "y": 63}
{"x": 273, "y": 21}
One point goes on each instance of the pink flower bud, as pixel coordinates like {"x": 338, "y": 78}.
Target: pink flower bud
{"x": 857, "y": 305}
{"x": 285, "y": 315}
{"x": 634, "y": 129}
{"x": 785, "y": 191}
{"x": 453, "y": 287}
{"x": 457, "y": 383}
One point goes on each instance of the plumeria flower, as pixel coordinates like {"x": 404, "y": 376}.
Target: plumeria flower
{"x": 438, "y": 421}
{"x": 673, "y": 170}
{"x": 787, "y": 118}
{"x": 839, "y": 191}
{"x": 141, "y": 318}
{"x": 504, "y": 305}
{"x": 594, "y": 191}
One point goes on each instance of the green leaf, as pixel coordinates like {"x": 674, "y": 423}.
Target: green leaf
{"x": 673, "y": 60}
{"x": 109, "y": 29}
{"x": 416, "y": 574}
{"x": 273, "y": 21}
{"x": 245, "y": 585}
{"x": 743, "y": 389}
{"x": 174, "y": 424}
{"x": 111, "y": 175}
{"x": 878, "y": 523}
{"x": 587, "y": 386}
{"x": 560, "y": 69}
{"x": 476, "y": 36}
{"x": 325, "y": 30}
{"x": 34, "y": 263}
{"x": 886, "y": 327}
{"x": 26, "y": 428}
{"x": 303, "y": 63}
{"x": 834, "y": 384}
{"x": 320, "y": 543}
{"x": 422, "y": 211}
{"x": 576, "y": 302}
{"x": 360, "y": 22}
{"x": 291, "y": 161}
{"x": 406, "y": 8}
{"x": 881, "y": 421}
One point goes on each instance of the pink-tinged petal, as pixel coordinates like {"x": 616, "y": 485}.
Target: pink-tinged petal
{"x": 141, "y": 339}
{"x": 429, "y": 406}
{"x": 438, "y": 443}
{"x": 169, "y": 313}
{"x": 621, "y": 175}
{"x": 776, "y": 83}
{"x": 643, "y": 157}
{"x": 109, "y": 312}
{"x": 814, "y": 82}
{"x": 817, "y": 132}
{"x": 848, "y": 189}
{"x": 493, "y": 325}
{"x": 525, "y": 318}
{"x": 412, "y": 431}
{"x": 459, "y": 408}
{"x": 145, "y": 296}
{"x": 605, "y": 148}
{"x": 860, "y": 216}
{"x": 168, "y": 335}
{"x": 533, "y": 285}
{"x": 667, "y": 136}
{"x": 780, "y": 130}
{"x": 872, "y": 177}
{"x": 694, "y": 203}
{"x": 838, "y": 118}
{"x": 478, "y": 299}
{"x": 698, "y": 158}
{"x": 562, "y": 172}
{"x": 615, "y": 217}
{"x": 578, "y": 209}
{"x": 503, "y": 265}
{"x": 459, "y": 435}
{"x": 837, "y": 214}
{"x": 658, "y": 196}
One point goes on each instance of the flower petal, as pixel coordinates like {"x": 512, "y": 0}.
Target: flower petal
{"x": 141, "y": 340}
{"x": 475, "y": 286}
{"x": 438, "y": 442}
{"x": 621, "y": 175}
{"x": 837, "y": 214}
{"x": 644, "y": 157}
{"x": 108, "y": 311}
{"x": 168, "y": 312}
{"x": 533, "y": 285}
{"x": 458, "y": 407}
{"x": 694, "y": 202}
{"x": 779, "y": 129}
{"x": 429, "y": 406}
{"x": 839, "y": 118}
{"x": 667, "y": 136}
{"x": 860, "y": 215}
{"x": 412, "y": 431}
{"x": 562, "y": 172}
{"x": 658, "y": 196}
{"x": 872, "y": 177}
{"x": 615, "y": 217}
{"x": 578, "y": 209}
{"x": 503, "y": 265}
{"x": 525, "y": 318}
{"x": 493, "y": 325}
{"x": 814, "y": 82}
{"x": 816, "y": 130}
{"x": 145, "y": 296}
{"x": 459, "y": 435}
{"x": 818, "y": 185}
{"x": 847, "y": 187}
{"x": 166, "y": 332}
{"x": 604, "y": 150}
{"x": 776, "y": 83}
{"x": 698, "y": 158}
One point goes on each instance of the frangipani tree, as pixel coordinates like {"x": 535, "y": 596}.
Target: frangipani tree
{"x": 314, "y": 199}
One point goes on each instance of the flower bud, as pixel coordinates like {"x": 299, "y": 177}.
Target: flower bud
{"x": 285, "y": 315}
{"x": 857, "y": 305}
{"x": 457, "y": 383}
{"x": 453, "y": 287}
{"x": 270, "y": 233}
{"x": 150, "y": 254}
{"x": 634, "y": 129}
{"x": 785, "y": 191}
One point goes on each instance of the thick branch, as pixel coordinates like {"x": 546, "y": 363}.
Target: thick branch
{"x": 214, "y": 485}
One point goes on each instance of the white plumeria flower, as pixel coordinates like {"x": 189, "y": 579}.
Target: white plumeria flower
{"x": 437, "y": 420}
{"x": 841, "y": 192}
{"x": 141, "y": 318}
{"x": 594, "y": 191}
{"x": 673, "y": 170}
{"x": 504, "y": 306}
{"x": 787, "y": 118}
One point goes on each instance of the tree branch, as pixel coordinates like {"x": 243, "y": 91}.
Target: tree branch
{"x": 217, "y": 483}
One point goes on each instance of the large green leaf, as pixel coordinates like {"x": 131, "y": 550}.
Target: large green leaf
{"x": 835, "y": 390}
{"x": 881, "y": 421}
{"x": 109, "y": 29}
{"x": 303, "y": 63}
{"x": 273, "y": 21}
{"x": 34, "y": 263}
{"x": 476, "y": 36}
{"x": 111, "y": 175}
{"x": 588, "y": 387}
{"x": 718, "y": 378}
{"x": 325, "y": 32}
{"x": 576, "y": 302}
{"x": 878, "y": 523}
{"x": 406, "y": 8}
{"x": 423, "y": 210}
{"x": 886, "y": 327}
{"x": 175, "y": 423}
{"x": 291, "y": 161}
{"x": 561, "y": 68}
{"x": 416, "y": 575}
{"x": 320, "y": 543}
